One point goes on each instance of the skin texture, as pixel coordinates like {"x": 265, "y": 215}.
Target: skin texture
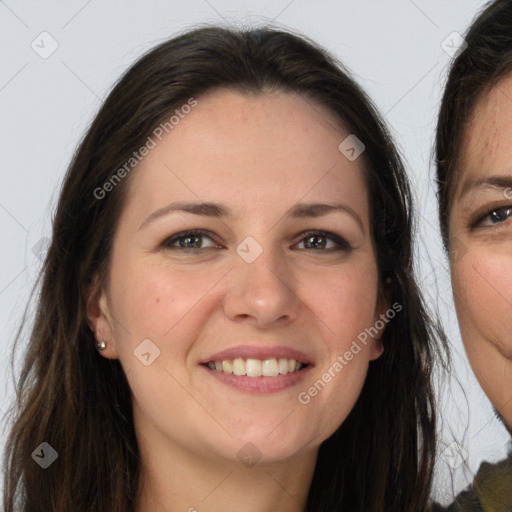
{"x": 259, "y": 155}
{"x": 481, "y": 245}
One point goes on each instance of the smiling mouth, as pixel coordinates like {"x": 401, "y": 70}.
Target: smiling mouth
{"x": 257, "y": 367}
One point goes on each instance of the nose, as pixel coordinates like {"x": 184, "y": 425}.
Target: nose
{"x": 262, "y": 292}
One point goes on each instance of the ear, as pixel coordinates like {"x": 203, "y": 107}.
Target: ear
{"x": 381, "y": 317}
{"x": 99, "y": 318}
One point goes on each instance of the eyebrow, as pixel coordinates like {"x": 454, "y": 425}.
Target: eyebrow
{"x": 498, "y": 182}
{"x": 218, "y": 210}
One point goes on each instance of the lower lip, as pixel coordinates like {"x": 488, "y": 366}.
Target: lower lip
{"x": 260, "y": 385}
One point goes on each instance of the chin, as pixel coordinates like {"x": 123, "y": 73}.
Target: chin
{"x": 262, "y": 448}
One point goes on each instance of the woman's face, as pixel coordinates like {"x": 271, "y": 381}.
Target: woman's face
{"x": 481, "y": 245}
{"x": 251, "y": 286}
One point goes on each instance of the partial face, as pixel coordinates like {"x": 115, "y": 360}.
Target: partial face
{"x": 481, "y": 246}
{"x": 259, "y": 290}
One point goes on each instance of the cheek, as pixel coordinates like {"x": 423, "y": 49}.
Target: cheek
{"x": 154, "y": 301}
{"x": 344, "y": 310}
{"x": 482, "y": 287}
{"x": 346, "y": 303}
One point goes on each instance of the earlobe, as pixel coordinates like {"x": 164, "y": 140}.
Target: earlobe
{"x": 381, "y": 317}
{"x": 377, "y": 349}
{"x": 98, "y": 317}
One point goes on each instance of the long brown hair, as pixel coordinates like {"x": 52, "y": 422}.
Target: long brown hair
{"x": 380, "y": 458}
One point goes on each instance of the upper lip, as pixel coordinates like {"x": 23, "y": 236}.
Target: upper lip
{"x": 258, "y": 352}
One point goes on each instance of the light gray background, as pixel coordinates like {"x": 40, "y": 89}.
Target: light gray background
{"x": 394, "y": 49}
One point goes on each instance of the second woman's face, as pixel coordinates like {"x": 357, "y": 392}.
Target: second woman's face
{"x": 212, "y": 327}
{"x": 481, "y": 245}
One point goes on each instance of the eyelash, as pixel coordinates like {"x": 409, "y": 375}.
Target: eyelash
{"x": 487, "y": 215}
{"x": 342, "y": 244}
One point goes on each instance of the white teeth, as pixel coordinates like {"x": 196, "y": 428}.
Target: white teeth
{"x": 227, "y": 367}
{"x": 253, "y": 368}
{"x": 257, "y": 367}
{"x": 239, "y": 366}
{"x": 269, "y": 368}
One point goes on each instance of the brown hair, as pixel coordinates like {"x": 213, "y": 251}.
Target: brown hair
{"x": 380, "y": 458}
{"x": 474, "y": 71}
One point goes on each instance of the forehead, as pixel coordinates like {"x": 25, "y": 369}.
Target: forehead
{"x": 487, "y": 142}
{"x": 264, "y": 149}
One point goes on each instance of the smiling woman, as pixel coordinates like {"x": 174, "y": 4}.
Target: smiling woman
{"x": 474, "y": 178}
{"x": 259, "y": 253}
{"x": 475, "y": 190}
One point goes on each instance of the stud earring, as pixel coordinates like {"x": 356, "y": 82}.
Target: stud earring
{"x": 101, "y": 345}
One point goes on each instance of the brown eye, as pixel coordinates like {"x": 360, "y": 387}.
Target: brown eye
{"x": 188, "y": 240}
{"x": 317, "y": 240}
{"x": 497, "y": 216}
